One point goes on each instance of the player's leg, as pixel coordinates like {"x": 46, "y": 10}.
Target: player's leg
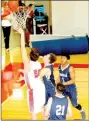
{"x": 50, "y": 91}
{"x": 46, "y": 97}
{"x": 74, "y": 101}
{"x": 27, "y": 35}
{"x": 38, "y": 99}
{"x": 42, "y": 100}
{"x": 30, "y": 99}
{"x": 6, "y": 32}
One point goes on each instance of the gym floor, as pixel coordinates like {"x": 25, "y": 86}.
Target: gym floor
{"x": 18, "y": 108}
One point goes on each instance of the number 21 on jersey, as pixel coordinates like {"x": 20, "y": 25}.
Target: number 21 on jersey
{"x": 60, "y": 110}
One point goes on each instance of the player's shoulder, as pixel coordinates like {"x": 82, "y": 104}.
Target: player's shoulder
{"x": 38, "y": 64}
{"x": 47, "y": 71}
{"x": 71, "y": 68}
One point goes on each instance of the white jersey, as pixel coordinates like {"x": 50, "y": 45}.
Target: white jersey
{"x": 36, "y": 84}
{"x": 5, "y": 23}
{"x": 34, "y": 74}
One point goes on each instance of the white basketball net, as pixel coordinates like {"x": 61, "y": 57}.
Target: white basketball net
{"x": 19, "y": 18}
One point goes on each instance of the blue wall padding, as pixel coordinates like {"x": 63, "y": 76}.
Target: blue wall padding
{"x": 73, "y": 45}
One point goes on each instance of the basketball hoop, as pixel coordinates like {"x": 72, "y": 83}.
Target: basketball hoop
{"x": 19, "y": 17}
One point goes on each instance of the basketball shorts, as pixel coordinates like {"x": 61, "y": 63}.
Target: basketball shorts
{"x": 36, "y": 97}
{"x": 71, "y": 92}
{"x": 50, "y": 92}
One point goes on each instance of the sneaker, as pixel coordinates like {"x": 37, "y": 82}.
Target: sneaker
{"x": 83, "y": 114}
{"x": 27, "y": 45}
{"x": 7, "y": 50}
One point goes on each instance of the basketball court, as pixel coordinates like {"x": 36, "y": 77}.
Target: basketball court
{"x": 16, "y": 107}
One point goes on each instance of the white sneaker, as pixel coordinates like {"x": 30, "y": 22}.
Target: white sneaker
{"x": 7, "y": 50}
{"x": 83, "y": 114}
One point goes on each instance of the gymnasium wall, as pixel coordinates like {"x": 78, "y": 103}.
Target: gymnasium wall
{"x": 70, "y": 17}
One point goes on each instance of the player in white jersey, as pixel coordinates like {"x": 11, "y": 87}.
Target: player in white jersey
{"x": 36, "y": 88}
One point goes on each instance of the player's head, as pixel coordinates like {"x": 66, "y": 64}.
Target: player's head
{"x": 60, "y": 88}
{"x": 50, "y": 58}
{"x": 64, "y": 58}
{"x": 34, "y": 54}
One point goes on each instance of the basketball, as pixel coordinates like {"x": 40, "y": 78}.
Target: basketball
{"x": 13, "y": 5}
{"x": 5, "y": 12}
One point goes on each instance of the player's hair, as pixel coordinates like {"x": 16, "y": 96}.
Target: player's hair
{"x": 52, "y": 58}
{"x": 60, "y": 88}
{"x": 66, "y": 55}
{"x": 34, "y": 54}
{"x": 30, "y": 5}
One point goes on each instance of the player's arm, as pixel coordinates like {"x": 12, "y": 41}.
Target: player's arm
{"x": 69, "y": 111}
{"x": 23, "y": 50}
{"x": 48, "y": 108}
{"x": 45, "y": 71}
{"x": 57, "y": 78}
{"x": 72, "y": 75}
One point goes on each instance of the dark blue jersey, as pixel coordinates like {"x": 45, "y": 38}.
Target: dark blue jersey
{"x": 49, "y": 80}
{"x": 71, "y": 90}
{"x": 52, "y": 75}
{"x": 58, "y": 108}
{"x": 65, "y": 75}
{"x": 49, "y": 83}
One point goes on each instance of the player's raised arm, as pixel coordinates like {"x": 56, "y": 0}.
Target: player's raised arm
{"x": 23, "y": 50}
{"x": 72, "y": 75}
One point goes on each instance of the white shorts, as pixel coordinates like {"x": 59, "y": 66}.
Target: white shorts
{"x": 36, "y": 97}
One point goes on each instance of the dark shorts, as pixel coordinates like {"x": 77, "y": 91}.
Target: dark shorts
{"x": 71, "y": 92}
{"x": 50, "y": 92}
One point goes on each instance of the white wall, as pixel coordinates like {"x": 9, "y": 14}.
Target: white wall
{"x": 70, "y": 17}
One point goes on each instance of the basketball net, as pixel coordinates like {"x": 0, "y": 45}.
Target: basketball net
{"x": 19, "y": 18}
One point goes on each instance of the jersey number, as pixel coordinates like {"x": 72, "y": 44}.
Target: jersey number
{"x": 60, "y": 110}
{"x": 36, "y": 73}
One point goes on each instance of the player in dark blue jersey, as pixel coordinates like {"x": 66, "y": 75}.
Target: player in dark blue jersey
{"x": 67, "y": 77}
{"x": 49, "y": 59}
{"x": 58, "y": 107}
{"x": 49, "y": 80}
